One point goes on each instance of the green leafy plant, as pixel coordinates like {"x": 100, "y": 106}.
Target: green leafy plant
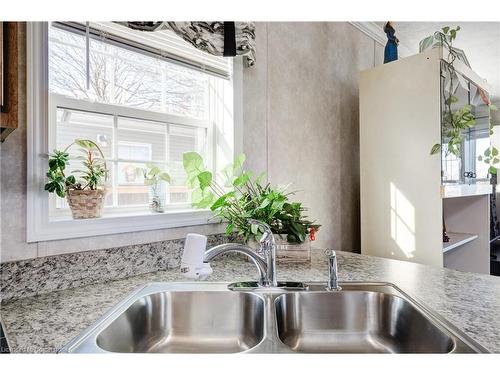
{"x": 242, "y": 196}
{"x": 90, "y": 178}
{"x": 153, "y": 175}
{"x": 454, "y": 121}
{"x": 491, "y": 155}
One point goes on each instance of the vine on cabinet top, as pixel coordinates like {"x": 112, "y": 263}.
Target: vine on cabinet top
{"x": 455, "y": 121}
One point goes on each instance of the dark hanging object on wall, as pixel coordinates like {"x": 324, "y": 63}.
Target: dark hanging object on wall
{"x": 229, "y": 39}
{"x": 391, "y": 48}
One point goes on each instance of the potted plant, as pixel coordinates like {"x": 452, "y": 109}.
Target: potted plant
{"x": 85, "y": 193}
{"x": 242, "y": 196}
{"x": 155, "y": 179}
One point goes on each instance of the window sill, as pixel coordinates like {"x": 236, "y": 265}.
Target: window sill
{"x": 65, "y": 227}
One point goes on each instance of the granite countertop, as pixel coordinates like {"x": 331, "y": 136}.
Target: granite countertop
{"x": 471, "y": 302}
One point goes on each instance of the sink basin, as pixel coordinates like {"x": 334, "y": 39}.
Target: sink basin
{"x": 187, "y": 322}
{"x": 203, "y": 317}
{"x": 356, "y": 322}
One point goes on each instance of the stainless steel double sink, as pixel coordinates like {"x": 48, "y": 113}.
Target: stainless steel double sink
{"x": 211, "y": 318}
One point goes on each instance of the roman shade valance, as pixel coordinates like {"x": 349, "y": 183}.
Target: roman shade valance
{"x": 215, "y": 38}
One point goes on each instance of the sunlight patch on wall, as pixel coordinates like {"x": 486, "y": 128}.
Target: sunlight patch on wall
{"x": 402, "y": 222}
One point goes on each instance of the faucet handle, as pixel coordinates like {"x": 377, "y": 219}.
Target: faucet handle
{"x": 330, "y": 253}
{"x": 268, "y": 234}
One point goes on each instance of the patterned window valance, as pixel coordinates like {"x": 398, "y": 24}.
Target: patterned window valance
{"x": 207, "y": 36}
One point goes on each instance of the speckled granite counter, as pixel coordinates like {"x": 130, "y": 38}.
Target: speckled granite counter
{"x": 471, "y": 302}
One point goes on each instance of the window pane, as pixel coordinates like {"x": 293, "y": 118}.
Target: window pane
{"x": 141, "y": 140}
{"x": 73, "y": 125}
{"x": 451, "y": 166}
{"x": 131, "y": 189}
{"x": 183, "y": 139}
{"x": 121, "y": 76}
{"x": 481, "y": 167}
{"x": 185, "y": 91}
{"x": 67, "y": 64}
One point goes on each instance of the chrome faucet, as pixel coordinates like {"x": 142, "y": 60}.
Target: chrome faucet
{"x": 264, "y": 258}
{"x": 333, "y": 281}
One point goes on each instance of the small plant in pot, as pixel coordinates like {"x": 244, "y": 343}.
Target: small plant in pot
{"x": 156, "y": 179}
{"x": 241, "y": 196}
{"x": 84, "y": 192}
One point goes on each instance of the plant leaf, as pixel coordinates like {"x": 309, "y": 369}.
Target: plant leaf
{"x": 264, "y": 204}
{"x": 196, "y": 196}
{"x": 254, "y": 228}
{"x": 221, "y": 201}
{"x": 205, "y": 179}
{"x": 259, "y": 178}
{"x": 207, "y": 200}
{"x": 435, "y": 149}
{"x": 192, "y": 162}
{"x": 238, "y": 162}
{"x": 229, "y": 229}
{"x": 241, "y": 179}
{"x": 165, "y": 177}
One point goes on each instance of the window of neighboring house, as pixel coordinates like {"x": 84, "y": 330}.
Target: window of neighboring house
{"x": 139, "y": 108}
{"x": 481, "y": 144}
{"x": 451, "y": 166}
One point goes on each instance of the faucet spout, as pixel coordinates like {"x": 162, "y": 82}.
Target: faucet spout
{"x": 259, "y": 261}
{"x": 264, "y": 259}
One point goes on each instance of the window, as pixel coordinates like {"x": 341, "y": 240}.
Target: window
{"x": 139, "y": 108}
{"x": 452, "y": 166}
{"x": 479, "y": 145}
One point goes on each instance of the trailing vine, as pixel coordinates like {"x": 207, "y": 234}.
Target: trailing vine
{"x": 490, "y": 155}
{"x": 455, "y": 121}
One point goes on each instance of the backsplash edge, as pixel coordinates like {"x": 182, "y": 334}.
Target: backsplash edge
{"x": 30, "y": 277}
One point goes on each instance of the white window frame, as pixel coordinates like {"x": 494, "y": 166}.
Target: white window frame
{"x": 41, "y": 227}
{"x": 118, "y": 111}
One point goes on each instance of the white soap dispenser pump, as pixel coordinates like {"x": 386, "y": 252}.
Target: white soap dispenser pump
{"x": 192, "y": 265}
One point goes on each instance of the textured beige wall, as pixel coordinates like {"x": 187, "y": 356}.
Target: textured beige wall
{"x": 13, "y": 243}
{"x": 300, "y": 124}
{"x": 301, "y": 118}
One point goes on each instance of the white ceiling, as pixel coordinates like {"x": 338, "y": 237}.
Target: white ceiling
{"x": 479, "y": 40}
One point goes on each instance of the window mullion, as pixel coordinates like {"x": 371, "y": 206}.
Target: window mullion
{"x": 212, "y": 129}
{"x": 115, "y": 162}
{"x": 167, "y": 160}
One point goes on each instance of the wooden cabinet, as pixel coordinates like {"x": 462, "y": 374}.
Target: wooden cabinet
{"x": 9, "y": 75}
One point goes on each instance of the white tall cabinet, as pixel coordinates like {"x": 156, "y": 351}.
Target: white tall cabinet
{"x": 403, "y": 198}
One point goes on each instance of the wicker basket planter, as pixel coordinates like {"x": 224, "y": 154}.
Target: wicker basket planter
{"x": 86, "y": 204}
